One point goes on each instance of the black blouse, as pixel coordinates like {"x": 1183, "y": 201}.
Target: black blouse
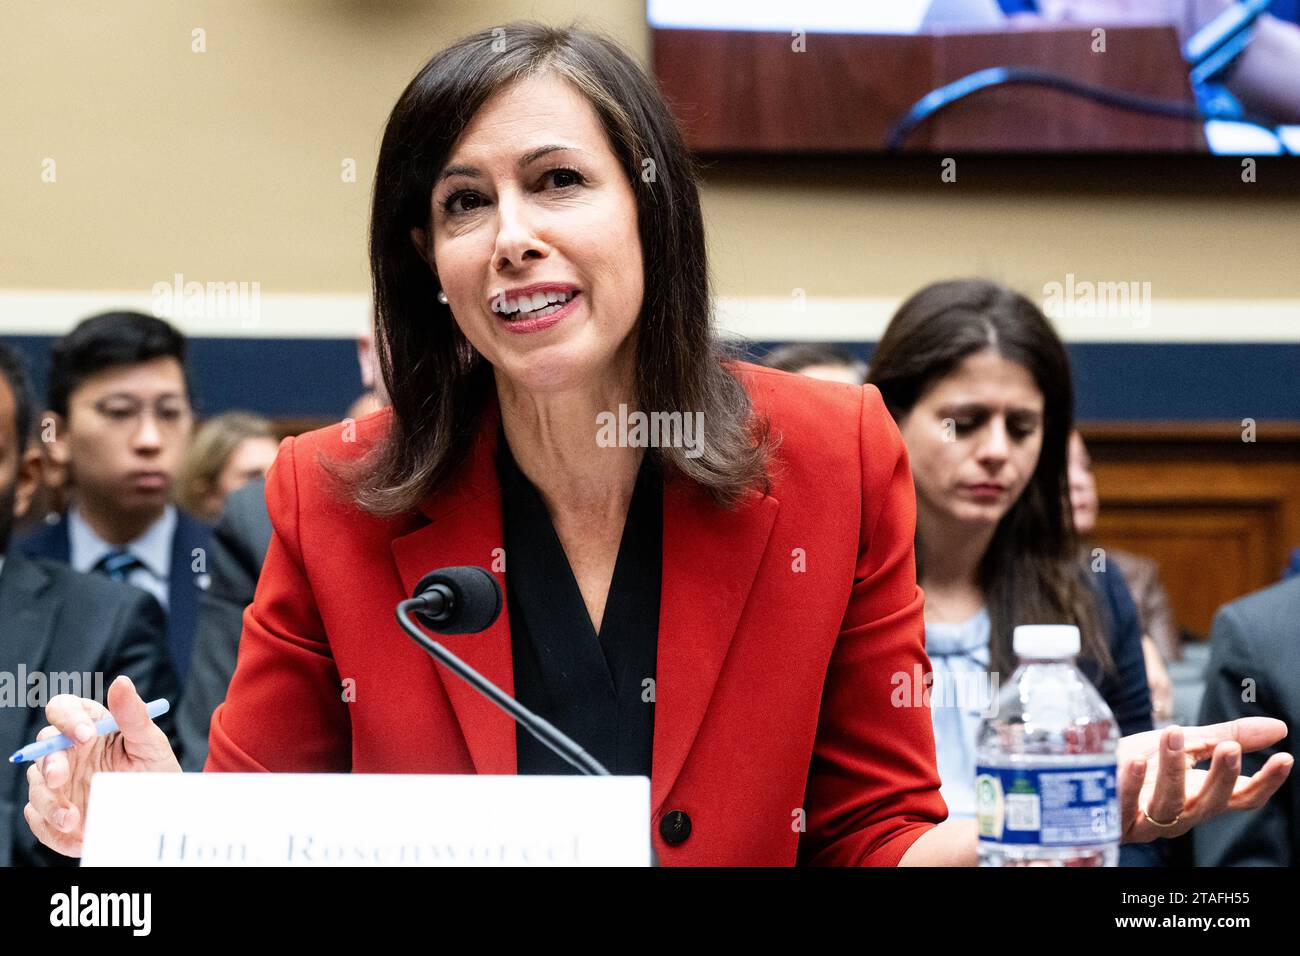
{"x": 597, "y": 688}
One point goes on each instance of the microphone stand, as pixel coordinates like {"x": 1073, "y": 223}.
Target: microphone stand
{"x": 560, "y": 743}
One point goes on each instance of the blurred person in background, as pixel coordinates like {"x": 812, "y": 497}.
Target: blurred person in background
{"x": 1161, "y": 641}
{"x": 979, "y": 384}
{"x": 120, "y": 404}
{"x": 228, "y": 451}
{"x": 52, "y": 494}
{"x": 374, "y": 396}
{"x": 56, "y": 626}
{"x": 827, "y": 362}
{"x": 239, "y": 545}
{"x": 1254, "y": 670}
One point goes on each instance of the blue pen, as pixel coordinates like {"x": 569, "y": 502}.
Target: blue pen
{"x": 108, "y": 725}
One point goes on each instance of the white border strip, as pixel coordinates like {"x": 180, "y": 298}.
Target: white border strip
{"x": 760, "y": 319}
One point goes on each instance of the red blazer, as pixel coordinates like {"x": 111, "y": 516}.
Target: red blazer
{"x": 781, "y": 625}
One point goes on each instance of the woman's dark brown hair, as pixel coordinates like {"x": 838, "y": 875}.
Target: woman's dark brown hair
{"x": 437, "y": 382}
{"x": 1031, "y": 572}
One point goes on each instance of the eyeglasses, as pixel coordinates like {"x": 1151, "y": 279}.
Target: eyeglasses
{"x": 120, "y": 411}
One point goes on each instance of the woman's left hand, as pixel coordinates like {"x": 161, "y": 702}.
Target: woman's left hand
{"x": 1159, "y": 785}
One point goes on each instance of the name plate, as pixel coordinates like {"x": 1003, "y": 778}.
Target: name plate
{"x": 293, "y": 819}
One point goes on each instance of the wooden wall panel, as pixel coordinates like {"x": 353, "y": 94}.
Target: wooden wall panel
{"x": 1218, "y": 514}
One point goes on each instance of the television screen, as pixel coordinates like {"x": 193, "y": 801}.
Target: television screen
{"x": 831, "y": 76}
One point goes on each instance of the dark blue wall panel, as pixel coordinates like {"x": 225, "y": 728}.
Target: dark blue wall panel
{"x": 277, "y": 377}
{"x": 1114, "y": 381}
{"x": 1173, "y": 382}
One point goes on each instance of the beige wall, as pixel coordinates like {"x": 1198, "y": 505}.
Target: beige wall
{"x": 226, "y": 166}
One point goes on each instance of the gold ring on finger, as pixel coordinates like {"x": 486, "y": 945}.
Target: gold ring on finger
{"x": 1163, "y": 826}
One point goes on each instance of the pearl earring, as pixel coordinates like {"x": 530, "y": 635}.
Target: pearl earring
{"x": 442, "y": 297}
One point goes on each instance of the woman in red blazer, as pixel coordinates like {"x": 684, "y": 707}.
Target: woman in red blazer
{"x": 780, "y": 626}
{"x": 538, "y": 253}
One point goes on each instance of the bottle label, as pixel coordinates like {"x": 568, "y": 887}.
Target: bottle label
{"x": 1047, "y": 806}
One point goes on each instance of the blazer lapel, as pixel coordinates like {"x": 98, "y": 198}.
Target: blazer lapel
{"x": 465, "y": 529}
{"x": 711, "y": 557}
{"x": 27, "y": 612}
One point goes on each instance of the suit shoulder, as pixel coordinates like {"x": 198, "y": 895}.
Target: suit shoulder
{"x": 1114, "y": 584}
{"x": 93, "y": 590}
{"x": 45, "y": 541}
{"x": 1272, "y": 614}
{"x": 1135, "y": 566}
{"x": 245, "y": 525}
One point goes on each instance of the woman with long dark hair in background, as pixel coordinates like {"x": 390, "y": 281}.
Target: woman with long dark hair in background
{"x": 980, "y": 386}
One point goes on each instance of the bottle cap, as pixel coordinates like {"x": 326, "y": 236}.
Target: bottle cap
{"x": 1045, "y": 640}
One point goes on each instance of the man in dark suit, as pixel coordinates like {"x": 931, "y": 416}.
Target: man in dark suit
{"x": 120, "y": 417}
{"x": 60, "y": 631}
{"x": 239, "y": 544}
{"x": 1254, "y": 670}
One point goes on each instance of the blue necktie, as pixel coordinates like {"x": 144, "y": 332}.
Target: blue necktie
{"x": 118, "y": 565}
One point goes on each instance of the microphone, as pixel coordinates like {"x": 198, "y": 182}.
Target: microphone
{"x": 467, "y": 600}
{"x": 462, "y": 600}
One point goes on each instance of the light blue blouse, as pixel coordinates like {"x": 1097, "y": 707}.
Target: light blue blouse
{"x": 961, "y": 694}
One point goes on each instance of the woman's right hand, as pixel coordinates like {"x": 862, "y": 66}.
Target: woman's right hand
{"x": 59, "y": 783}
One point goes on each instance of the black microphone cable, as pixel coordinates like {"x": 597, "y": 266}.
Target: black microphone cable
{"x": 945, "y": 96}
{"x": 560, "y": 743}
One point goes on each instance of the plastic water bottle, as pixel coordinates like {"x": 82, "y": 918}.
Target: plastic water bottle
{"x": 1045, "y": 776}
